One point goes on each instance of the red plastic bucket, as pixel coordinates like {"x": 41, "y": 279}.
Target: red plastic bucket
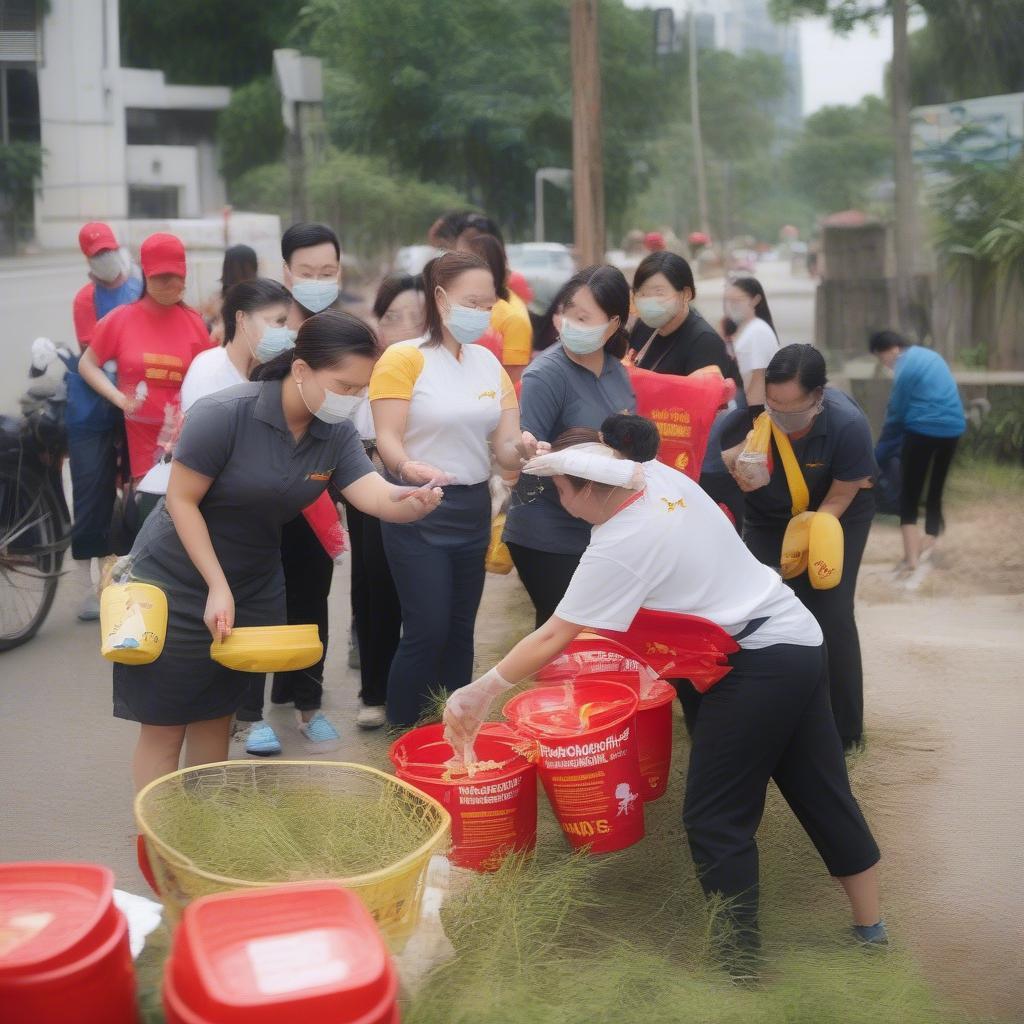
{"x": 308, "y": 952}
{"x": 588, "y": 760}
{"x": 64, "y": 952}
{"x": 495, "y": 811}
{"x": 654, "y": 736}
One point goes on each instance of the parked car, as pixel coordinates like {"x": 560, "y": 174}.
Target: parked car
{"x": 545, "y": 265}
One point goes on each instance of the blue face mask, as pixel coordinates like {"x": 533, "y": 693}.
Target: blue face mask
{"x": 466, "y": 324}
{"x": 275, "y": 340}
{"x": 315, "y": 296}
{"x": 582, "y": 340}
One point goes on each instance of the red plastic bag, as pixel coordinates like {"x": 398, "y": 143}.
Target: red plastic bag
{"x": 683, "y": 409}
{"x": 679, "y": 646}
{"x": 325, "y": 522}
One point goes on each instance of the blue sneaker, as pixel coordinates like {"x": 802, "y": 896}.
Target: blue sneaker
{"x": 871, "y": 935}
{"x": 318, "y": 730}
{"x": 262, "y": 740}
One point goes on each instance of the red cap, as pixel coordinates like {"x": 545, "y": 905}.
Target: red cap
{"x": 96, "y": 237}
{"x": 654, "y": 240}
{"x": 162, "y": 254}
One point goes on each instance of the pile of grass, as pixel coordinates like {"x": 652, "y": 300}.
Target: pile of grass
{"x": 287, "y": 833}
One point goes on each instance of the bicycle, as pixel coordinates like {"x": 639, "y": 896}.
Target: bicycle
{"x": 35, "y": 525}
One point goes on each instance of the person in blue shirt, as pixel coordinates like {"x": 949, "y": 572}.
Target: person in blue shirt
{"x": 926, "y": 412}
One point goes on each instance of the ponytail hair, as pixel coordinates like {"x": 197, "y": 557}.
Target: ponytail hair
{"x": 633, "y": 437}
{"x": 611, "y": 293}
{"x": 250, "y": 297}
{"x": 322, "y": 342}
{"x": 752, "y": 287}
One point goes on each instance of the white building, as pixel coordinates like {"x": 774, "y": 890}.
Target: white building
{"x": 119, "y": 143}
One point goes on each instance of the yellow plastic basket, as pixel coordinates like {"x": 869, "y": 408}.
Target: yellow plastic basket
{"x": 269, "y": 648}
{"x": 392, "y": 894}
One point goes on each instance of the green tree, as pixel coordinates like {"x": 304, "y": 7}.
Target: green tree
{"x": 841, "y": 153}
{"x": 21, "y": 165}
{"x": 250, "y": 131}
{"x": 205, "y": 42}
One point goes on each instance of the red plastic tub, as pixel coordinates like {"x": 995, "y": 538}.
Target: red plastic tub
{"x": 495, "y": 811}
{"x": 654, "y": 737}
{"x": 588, "y": 760}
{"x": 308, "y": 952}
{"x": 64, "y": 952}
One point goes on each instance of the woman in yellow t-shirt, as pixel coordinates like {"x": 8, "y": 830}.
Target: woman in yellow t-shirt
{"x": 442, "y": 407}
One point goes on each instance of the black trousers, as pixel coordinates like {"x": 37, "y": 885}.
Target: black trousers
{"x": 308, "y": 571}
{"x": 921, "y": 453}
{"x": 834, "y": 611}
{"x": 93, "y": 464}
{"x": 769, "y": 718}
{"x": 546, "y": 577}
{"x": 376, "y": 610}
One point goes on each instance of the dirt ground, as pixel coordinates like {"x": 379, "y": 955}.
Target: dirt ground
{"x": 939, "y": 780}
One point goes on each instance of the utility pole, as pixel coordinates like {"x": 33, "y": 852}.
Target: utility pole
{"x": 588, "y": 169}
{"x": 698, "y": 140}
{"x": 904, "y": 167}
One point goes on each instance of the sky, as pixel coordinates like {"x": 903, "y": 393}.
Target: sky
{"x": 836, "y": 69}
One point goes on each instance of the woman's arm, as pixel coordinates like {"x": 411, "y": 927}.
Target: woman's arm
{"x": 374, "y": 496}
{"x": 509, "y": 444}
{"x": 754, "y": 389}
{"x": 840, "y": 494}
{"x": 185, "y": 490}
{"x": 390, "y": 416}
{"x": 533, "y": 652}
{"x": 93, "y": 375}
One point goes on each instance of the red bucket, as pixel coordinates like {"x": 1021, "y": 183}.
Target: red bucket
{"x": 588, "y": 759}
{"x": 308, "y": 952}
{"x": 654, "y": 736}
{"x": 64, "y": 952}
{"x": 495, "y": 811}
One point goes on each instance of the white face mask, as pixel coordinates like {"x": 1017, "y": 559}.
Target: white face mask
{"x": 334, "y": 408}
{"x": 107, "y": 266}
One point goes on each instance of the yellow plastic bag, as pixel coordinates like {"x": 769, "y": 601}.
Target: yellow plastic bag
{"x": 795, "y": 545}
{"x": 133, "y": 623}
{"x": 825, "y": 551}
{"x": 499, "y": 558}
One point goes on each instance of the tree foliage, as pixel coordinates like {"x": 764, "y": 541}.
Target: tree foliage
{"x": 250, "y": 131}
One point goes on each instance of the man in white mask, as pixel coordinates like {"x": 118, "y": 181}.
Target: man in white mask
{"x": 94, "y": 425}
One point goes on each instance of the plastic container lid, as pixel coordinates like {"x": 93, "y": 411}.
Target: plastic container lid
{"x": 269, "y": 648}
{"x": 52, "y": 914}
{"x": 311, "y": 950}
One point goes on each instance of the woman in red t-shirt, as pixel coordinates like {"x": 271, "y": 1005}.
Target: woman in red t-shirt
{"x": 152, "y": 343}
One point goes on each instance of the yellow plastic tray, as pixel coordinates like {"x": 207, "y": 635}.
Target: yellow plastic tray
{"x": 269, "y": 648}
{"x": 392, "y": 894}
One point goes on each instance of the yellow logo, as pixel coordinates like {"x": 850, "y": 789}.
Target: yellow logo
{"x": 682, "y": 461}
{"x": 323, "y": 475}
{"x": 673, "y": 505}
{"x": 813, "y": 465}
{"x": 488, "y": 394}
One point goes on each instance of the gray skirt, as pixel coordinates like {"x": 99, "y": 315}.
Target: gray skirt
{"x": 185, "y": 684}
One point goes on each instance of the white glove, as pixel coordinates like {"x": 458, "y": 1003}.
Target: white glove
{"x": 43, "y": 353}
{"x": 466, "y": 711}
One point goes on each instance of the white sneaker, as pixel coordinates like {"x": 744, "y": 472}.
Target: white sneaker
{"x": 371, "y": 718}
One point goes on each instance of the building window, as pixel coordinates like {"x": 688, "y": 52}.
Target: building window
{"x": 153, "y": 202}
{"x": 19, "y": 104}
{"x": 18, "y": 15}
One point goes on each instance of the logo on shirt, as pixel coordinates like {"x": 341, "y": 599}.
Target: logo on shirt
{"x": 673, "y": 505}
{"x": 814, "y": 465}
{"x": 322, "y": 474}
{"x": 488, "y": 394}
{"x": 682, "y": 461}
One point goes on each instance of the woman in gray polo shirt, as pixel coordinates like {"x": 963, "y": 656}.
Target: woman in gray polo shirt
{"x": 249, "y": 459}
{"x": 577, "y": 383}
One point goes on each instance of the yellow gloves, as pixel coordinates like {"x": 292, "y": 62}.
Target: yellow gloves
{"x": 813, "y": 543}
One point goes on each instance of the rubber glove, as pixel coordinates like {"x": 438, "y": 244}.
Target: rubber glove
{"x": 467, "y": 709}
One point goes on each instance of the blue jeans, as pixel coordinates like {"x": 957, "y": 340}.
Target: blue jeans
{"x": 438, "y": 568}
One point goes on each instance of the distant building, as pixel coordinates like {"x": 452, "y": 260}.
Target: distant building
{"x": 119, "y": 142}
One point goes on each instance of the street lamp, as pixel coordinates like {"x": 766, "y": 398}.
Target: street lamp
{"x": 558, "y": 176}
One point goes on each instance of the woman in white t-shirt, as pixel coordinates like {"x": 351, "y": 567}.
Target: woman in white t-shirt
{"x": 659, "y": 542}
{"x": 442, "y": 407}
{"x": 755, "y": 341}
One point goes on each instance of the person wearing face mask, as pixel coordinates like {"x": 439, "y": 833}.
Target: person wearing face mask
{"x": 658, "y": 542}
{"x": 576, "y": 383}
{"x": 755, "y": 340}
{"x": 376, "y": 612}
{"x": 312, "y": 269}
{"x": 442, "y": 405}
{"x": 95, "y": 428}
{"x": 670, "y": 336}
{"x": 240, "y": 264}
{"x": 249, "y": 459}
{"x": 831, "y": 440}
{"x": 152, "y": 343}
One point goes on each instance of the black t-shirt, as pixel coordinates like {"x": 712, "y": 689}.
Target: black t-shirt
{"x": 692, "y": 346}
{"x": 837, "y": 447}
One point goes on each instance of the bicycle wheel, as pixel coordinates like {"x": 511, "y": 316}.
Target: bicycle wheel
{"x": 32, "y": 543}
